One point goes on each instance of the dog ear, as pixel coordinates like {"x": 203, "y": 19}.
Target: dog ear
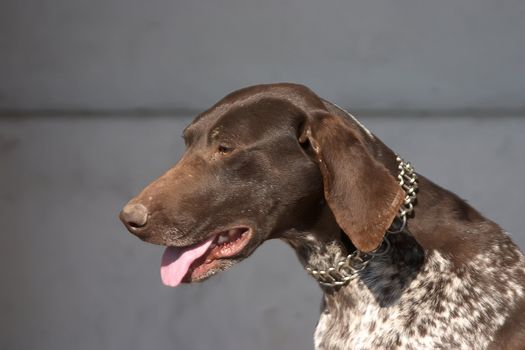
{"x": 361, "y": 193}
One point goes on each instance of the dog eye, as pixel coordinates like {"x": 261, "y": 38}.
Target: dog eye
{"x": 222, "y": 149}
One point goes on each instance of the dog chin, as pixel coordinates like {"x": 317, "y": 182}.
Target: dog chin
{"x": 202, "y": 272}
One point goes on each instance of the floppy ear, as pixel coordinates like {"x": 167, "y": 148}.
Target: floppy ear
{"x": 363, "y": 196}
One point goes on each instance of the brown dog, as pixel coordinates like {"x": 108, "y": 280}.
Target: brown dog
{"x": 277, "y": 161}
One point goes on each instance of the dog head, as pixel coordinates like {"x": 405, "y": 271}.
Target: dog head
{"x": 261, "y": 162}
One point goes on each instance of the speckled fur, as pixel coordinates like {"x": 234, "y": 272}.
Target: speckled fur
{"x": 420, "y": 299}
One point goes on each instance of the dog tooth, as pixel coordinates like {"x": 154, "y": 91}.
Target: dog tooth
{"x": 222, "y": 239}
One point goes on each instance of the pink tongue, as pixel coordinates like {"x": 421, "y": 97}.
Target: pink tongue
{"x": 177, "y": 261}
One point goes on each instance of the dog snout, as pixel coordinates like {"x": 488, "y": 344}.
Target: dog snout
{"x": 134, "y": 216}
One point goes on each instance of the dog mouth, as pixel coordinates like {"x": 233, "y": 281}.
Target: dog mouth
{"x": 203, "y": 259}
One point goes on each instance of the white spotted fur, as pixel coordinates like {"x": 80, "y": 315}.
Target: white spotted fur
{"x": 350, "y": 312}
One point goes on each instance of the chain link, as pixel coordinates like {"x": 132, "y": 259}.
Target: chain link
{"x": 408, "y": 181}
{"x": 348, "y": 268}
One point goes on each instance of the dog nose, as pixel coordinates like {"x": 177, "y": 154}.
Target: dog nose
{"x": 134, "y": 215}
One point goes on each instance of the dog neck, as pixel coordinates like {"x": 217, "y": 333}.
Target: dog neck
{"x": 325, "y": 244}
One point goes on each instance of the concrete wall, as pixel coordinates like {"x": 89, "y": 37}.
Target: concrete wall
{"x": 157, "y": 54}
{"x": 73, "y": 278}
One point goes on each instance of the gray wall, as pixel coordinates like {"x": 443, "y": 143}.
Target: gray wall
{"x": 72, "y": 278}
{"x": 157, "y": 54}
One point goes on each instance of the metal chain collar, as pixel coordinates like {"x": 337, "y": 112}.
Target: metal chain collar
{"x": 408, "y": 181}
{"x": 348, "y": 268}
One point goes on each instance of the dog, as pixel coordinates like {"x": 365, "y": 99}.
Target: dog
{"x": 402, "y": 262}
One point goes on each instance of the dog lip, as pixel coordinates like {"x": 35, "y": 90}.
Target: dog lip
{"x": 184, "y": 242}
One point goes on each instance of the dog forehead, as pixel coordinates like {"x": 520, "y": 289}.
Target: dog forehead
{"x": 244, "y": 120}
